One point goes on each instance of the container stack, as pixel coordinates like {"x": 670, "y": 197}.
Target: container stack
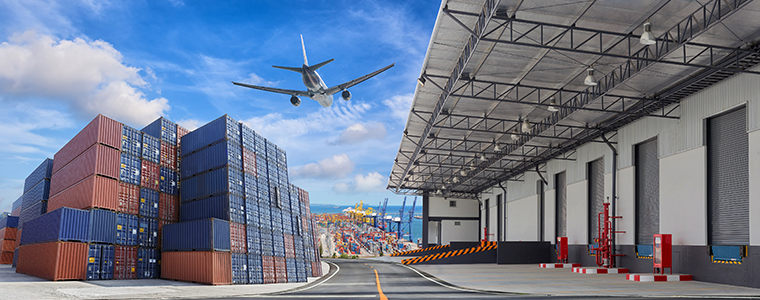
{"x": 36, "y": 195}
{"x": 8, "y": 236}
{"x": 15, "y": 212}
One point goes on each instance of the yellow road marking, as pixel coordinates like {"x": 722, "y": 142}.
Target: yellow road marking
{"x": 379, "y": 290}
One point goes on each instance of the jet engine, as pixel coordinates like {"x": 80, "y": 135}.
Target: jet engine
{"x": 295, "y": 101}
{"x": 346, "y": 95}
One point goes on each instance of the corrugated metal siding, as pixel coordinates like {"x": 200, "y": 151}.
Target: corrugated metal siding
{"x": 226, "y": 207}
{"x": 197, "y": 266}
{"x": 215, "y": 182}
{"x": 54, "y": 261}
{"x": 102, "y": 226}
{"x": 126, "y": 229}
{"x": 169, "y": 181}
{"x": 163, "y": 129}
{"x": 131, "y": 141}
{"x": 168, "y": 156}
{"x": 147, "y": 263}
{"x": 150, "y": 175}
{"x": 149, "y": 200}
{"x": 147, "y": 233}
{"x": 129, "y": 198}
{"x": 101, "y": 130}
{"x": 222, "y": 128}
{"x": 98, "y": 159}
{"x": 199, "y": 235}
{"x": 40, "y": 192}
{"x": 64, "y": 224}
{"x": 168, "y": 207}
{"x": 238, "y": 242}
{"x": 254, "y": 240}
{"x": 130, "y": 168}
{"x": 239, "y": 268}
{"x": 595, "y": 197}
{"x": 223, "y": 153}
{"x": 151, "y": 149}
{"x": 255, "y": 269}
{"x": 32, "y": 212}
{"x": 125, "y": 262}
{"x": 43, "y": 171}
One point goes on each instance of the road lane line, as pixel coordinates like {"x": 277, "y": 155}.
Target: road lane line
{"x": 379, "y": 290}
{"x": 449, "y": 286}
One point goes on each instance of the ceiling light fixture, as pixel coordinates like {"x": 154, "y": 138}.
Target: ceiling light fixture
{"x": 647, "y": 38}
{"x": 553, "y": 105}
{"x": 525, "y": 126}
{"x": 472, "y": 165}
{"x": 496, "y": 146}
{"x": 439, "y": 192}
{"x": 515, "y": 134}
{"x": 443, "y": 187}
{"x": 482, "y": 157}
{"x": 463, "y": 173}
{"x": 455, "y": 180}
{"x": 590, "y": 79}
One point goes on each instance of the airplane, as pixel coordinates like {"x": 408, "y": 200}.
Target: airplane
{"x": 316, "y": 89}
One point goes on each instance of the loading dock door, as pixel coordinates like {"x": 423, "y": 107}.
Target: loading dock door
{"x": 595, "y": 197}
{"x": 647, "y": 192}
{"x": 728, "y": 176}
{"x": 561, "y": 206}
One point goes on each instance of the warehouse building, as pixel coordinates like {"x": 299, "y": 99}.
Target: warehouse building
{"x": 530, "y": 115}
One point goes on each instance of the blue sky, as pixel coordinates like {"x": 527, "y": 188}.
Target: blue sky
{"x": 63, "y": 62}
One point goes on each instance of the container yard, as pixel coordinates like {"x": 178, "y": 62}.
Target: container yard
{"x": 211, "y": 206}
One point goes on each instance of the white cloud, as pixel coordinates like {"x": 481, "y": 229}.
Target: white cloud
{"x": 190, "y": 124}
{"x": 19, "y": 121}
{"x": 337, "y": 166}
{"x": 357, "y": 133}
{"x": 89, "y": 77}
{"x": 372, "y": 182}
{"x": 400, "y": 105}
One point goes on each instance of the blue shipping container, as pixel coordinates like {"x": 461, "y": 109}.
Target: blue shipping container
{"x": 248, "y": 137}
{"x": 276, "y": 217}
{"x": 9, "y": 221}
{"x": 252, "y": 213}
{"x": 287, "y": 222}
{"x": 265, "y": 216}
{"x": 15, "y": 257}
{"x": 102, "y": 226}
{"x": 239, "y": 268}
{"x": 223, "y": 128}
{"x": 198, "y": 235}
{"x": 267, "y": 249}
{"x": 251, "y": 185}
{"x": 131, "y": 141}
{"x": 130, "y": 169}
{"x": 298, "y": 242}
{"x": 226, "y": 207}
{"x": 169, "y": 182}
{"x": 262, "y": 170}
{"x": 93, "y": 262}
{"x": 253, "y": 237}
{"x": 147, "y": 233}
{"x": 63, "y": 224}
{"x": 126, "y": 229}
{"x": 147, "y": 263}
{"x": 107, "y": 257}
{"x": 40, "y": 192}
{"x": 216, "y": 182}
{"x": 162, "y": 129}
{"x": 278, "y": 243}
{"x": 255, "y": 269}
{"x": 149, "y": 200}
{"x": 297, "y": 226}
{"x": 223, "y": 153}
{"x": 151, "y": 149}
{"x": 17, "y": 203}
{"x": 36, "y": 210}
{"x": 43, "y": 171}
{"x": 301, "y": 270}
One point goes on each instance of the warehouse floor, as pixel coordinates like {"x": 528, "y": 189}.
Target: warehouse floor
{"x": 24, "y": 287}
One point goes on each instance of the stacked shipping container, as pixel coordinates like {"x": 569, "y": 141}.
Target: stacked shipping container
{"x": 114, "y": 198}
{"x": 35, "y": 197}
{"x": 8, "y": 236}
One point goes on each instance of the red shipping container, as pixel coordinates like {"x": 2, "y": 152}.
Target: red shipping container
{"x": 95, "y": 191}
{"x": 280, "y": 270}
{"x": 125, "y": 262}
{"x": 7, "y": 245}
{"x": 18, "y": 239}
{"x": 6, "y": 258}
{"x": 267, "y": 263}
{"x": 316, "y": 269}
{"x": 150, "y": 175}
{"x": 249, "y": 162}
{"x": 101, "y": 130}
{"x": 168, "y": 156}
{"x": 7, "y": 233}
{"x": 238, "y": 238}
{"x": 16, "y": 212}
{"x": 205, "y": 267}
{"x": 54, "y": 261}
{"x": 129, "y": 198}
{"x": 98, "y": 159}
{"x": 168, "y": 207}
{"x": 290, "y": 246}
{"x": 181, "y": 131}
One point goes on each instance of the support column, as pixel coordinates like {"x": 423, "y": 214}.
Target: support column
{"x": 425, "y": 218}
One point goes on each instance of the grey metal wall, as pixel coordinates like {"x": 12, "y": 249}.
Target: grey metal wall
{"x": 595, "y": 197}
{"x": 647, "y": 192}
{"x": 728, "y": 185}
{"x": 561, "y": 205}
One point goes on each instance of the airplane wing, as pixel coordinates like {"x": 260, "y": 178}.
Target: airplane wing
{"x": 356, "y": 81}
{"x": 275, "y": 90}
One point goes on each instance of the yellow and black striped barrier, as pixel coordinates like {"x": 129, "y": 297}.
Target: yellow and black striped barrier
{"x": 484, "y": 246}
{"x": 419, "y": 250}
{"x": 730, "y": 262}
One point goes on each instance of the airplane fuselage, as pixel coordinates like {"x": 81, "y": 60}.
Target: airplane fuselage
{"x": 316, "y": 86}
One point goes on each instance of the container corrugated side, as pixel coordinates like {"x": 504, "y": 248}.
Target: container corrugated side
{"x": 291, "y": 265}
{"x": 301, "y": 271}
{"x": 222, "y": 128}
{"x": 239, "y": 268}
{"x": 93, "y": 261}
{"x": 147, "y": 233}
{"x": 255, "y": 269}
{"x": 252, "y": 214}
{"x": 7, "y": 245}
{"x": 253, "y": 240}
{"x": 94, "y": 191}
{"x": 125, "y": 262}
{"x": 43, "y": 171}
{"x": 266, "y": 236}
{"x": 150, "y": 175}
{"x": 238, "y": 238}
{"x": 101, "y": 130}
{"x": 129, "y": 170}
{"x": 64, "y": 224}
{"x": 147, "y": 263}
{"x": 168, "y": 207}
{"x": 181, "y": 131}
{"x": 199, "y": 235}
{"x": 268, "y": 269}
{"x": 127, "y": 227}
{"x": 248, "y": 137}
{"x": 222, "y": 153}
{"x": 168, "y": 156}
{"x": 164, "y": 129}
{"x": 129, "y": 198}
{"x": 36, "y": 210}
{"x": 54, "y": 260}
{"x": 280, "y": 270}
{"x": 226, "y": 207}
{"x": 251, "y": 187}
{"x": 97, "y": 159}
{"x": 17, "y": 204}
{"x": 169, "y": 181}
{"x": 151, "y": 150}
{"x": 107, "y": 261}
{"x": 197, "y": 266}
{"x": 8, "y": 233}
{"x": 316, "y": 269}
{"x": 290, "y": 248}
{"x": 131, "y": 141}
{"x": 215, "y": 182}
{"x": 40, "y": 192}
{"x": 6, "y": 257}
{"x": 102, "y": 226}
{"x": 149, "y": 200}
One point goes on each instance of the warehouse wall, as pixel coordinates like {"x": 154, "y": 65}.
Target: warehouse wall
{"x": 458, "y": 233}
{"x": 522, "y": 219}
{"x": 442, "y": 218}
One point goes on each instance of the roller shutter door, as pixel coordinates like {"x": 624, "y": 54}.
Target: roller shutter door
{"x": 728, "y": 186}
{"x": 647, "y": 192}
{"x": 561, "y": 213}
{"x": 595, "y": 197}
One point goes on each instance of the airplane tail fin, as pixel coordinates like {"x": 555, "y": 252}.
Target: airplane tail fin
{"x": 288, "y": 68}
{"x": 305, "y": 61}
{"x": 322, "y": 64}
